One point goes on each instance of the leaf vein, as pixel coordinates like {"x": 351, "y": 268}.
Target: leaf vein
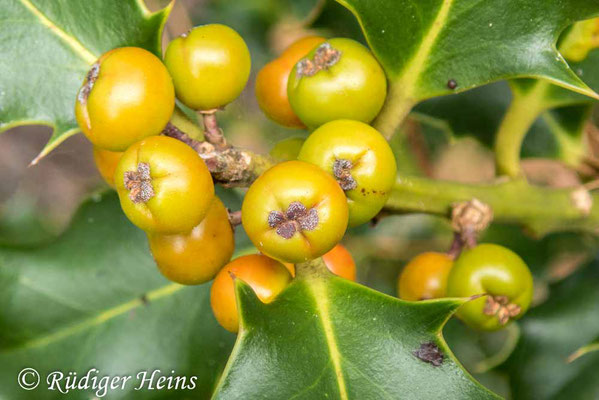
{"x": 84, "y": 53}
{"x": 99, "y": 319}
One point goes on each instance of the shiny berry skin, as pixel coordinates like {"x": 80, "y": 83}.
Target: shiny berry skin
{"x": 128, "y": 95}
{"x": 267, "y": 277}
{"x": 425, "y": 277}
{"x": 498, "y": 272}
{"x": 164, "y": 186}
{"x": 338, "y": 260}
{"x": 361, "y": 161}
{"x": 210, "y": 66}
{"x": 340, "y": 79}
{"x": 287, "y": 149}
{"x": 271, "y": 82}
{"x": 294, "y": 212}
{"x": 106, "y": 162}
{"x": 196, "y": 257}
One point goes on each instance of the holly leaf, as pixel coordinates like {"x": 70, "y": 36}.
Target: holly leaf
{"x": 93, "y": 298}
{"x": 47, "y": 48}
{"x": 326, "y": 337}
{"x": 477, "y": 113}
{"x": 436, "y": 47}
{"x": 550, "y": 333}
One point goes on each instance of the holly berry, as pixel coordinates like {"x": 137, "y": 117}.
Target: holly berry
{"x": 271, "y": 82}
{"x": 126, "y": 96}
{"x": 501, "y": 275}
{"x": 267, "y": 277}
{"x": 295, "y": 212}
{"x": 338, "y": 260}
{"x": 425, "y": 277}
{"x": 339, "y": 79}
{"x": 106, "y": 162}
{"x": 361, "y": 161}
{"x": 210, "y": 66}
{"x": 196, "y": 257}
{"x": 287, "y": 149}
{"x": 164, "y": 186}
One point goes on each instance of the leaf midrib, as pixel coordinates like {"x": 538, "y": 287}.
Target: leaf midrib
{"x": 411, "y": 73}
{"x": 73, "y": 43}
{"x": 96, "y": 320}
{"x": 317, "y": 286}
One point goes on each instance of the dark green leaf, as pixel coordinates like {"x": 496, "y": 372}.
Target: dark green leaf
{"x": 539, "y": 367}
{"x": 424, "y": 44}
{"x": 477, "y": 113}
{"x": 47, "y": 48}
{"x": 326, "y": 337}
{"x": 94, "y": 298}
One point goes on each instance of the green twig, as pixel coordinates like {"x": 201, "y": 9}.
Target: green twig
{"x": 509, "y": 345}
{"x": 540, "y": 209}
{"x": 522, "y": 113}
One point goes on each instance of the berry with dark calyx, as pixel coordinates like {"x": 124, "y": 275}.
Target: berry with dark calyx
{"x": 267, "y": 277}
{"x": 164, "y": 186}
{"x": 271, "y": 82}
{"x": 425, "y": 277}
{"x": 500, "y": 276}
{"x": 210, "y": 66}
{"x": 197, "y": 256}
{"x": 126, "y": 96}
{"x": 360, "y": 160}
{"x": 340, "y": 79}
{"x": 295, "y": 212}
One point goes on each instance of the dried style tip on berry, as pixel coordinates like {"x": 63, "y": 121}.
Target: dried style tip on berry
{"x": 324, "y": 58}
{"x": 92, "y": 76}
{"x": 342, "y": 171}
{"x": 501, "y": 307}
{"x": 139, "y": 184}
{"x": 83, "y": 95}
{"x": 297, "y": 218}
{"x": 429, "y": 352}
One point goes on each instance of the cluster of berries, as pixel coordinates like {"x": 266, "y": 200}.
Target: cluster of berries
{"x": 299, "y": 210}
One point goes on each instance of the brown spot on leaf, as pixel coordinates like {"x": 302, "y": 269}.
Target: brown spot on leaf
{"x": 429, "y": 352}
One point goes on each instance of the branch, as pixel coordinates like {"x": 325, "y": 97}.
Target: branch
{"x": 212, "y": 132}
{"x": 540, "y": 209}
{"x": 229, "y": 166}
